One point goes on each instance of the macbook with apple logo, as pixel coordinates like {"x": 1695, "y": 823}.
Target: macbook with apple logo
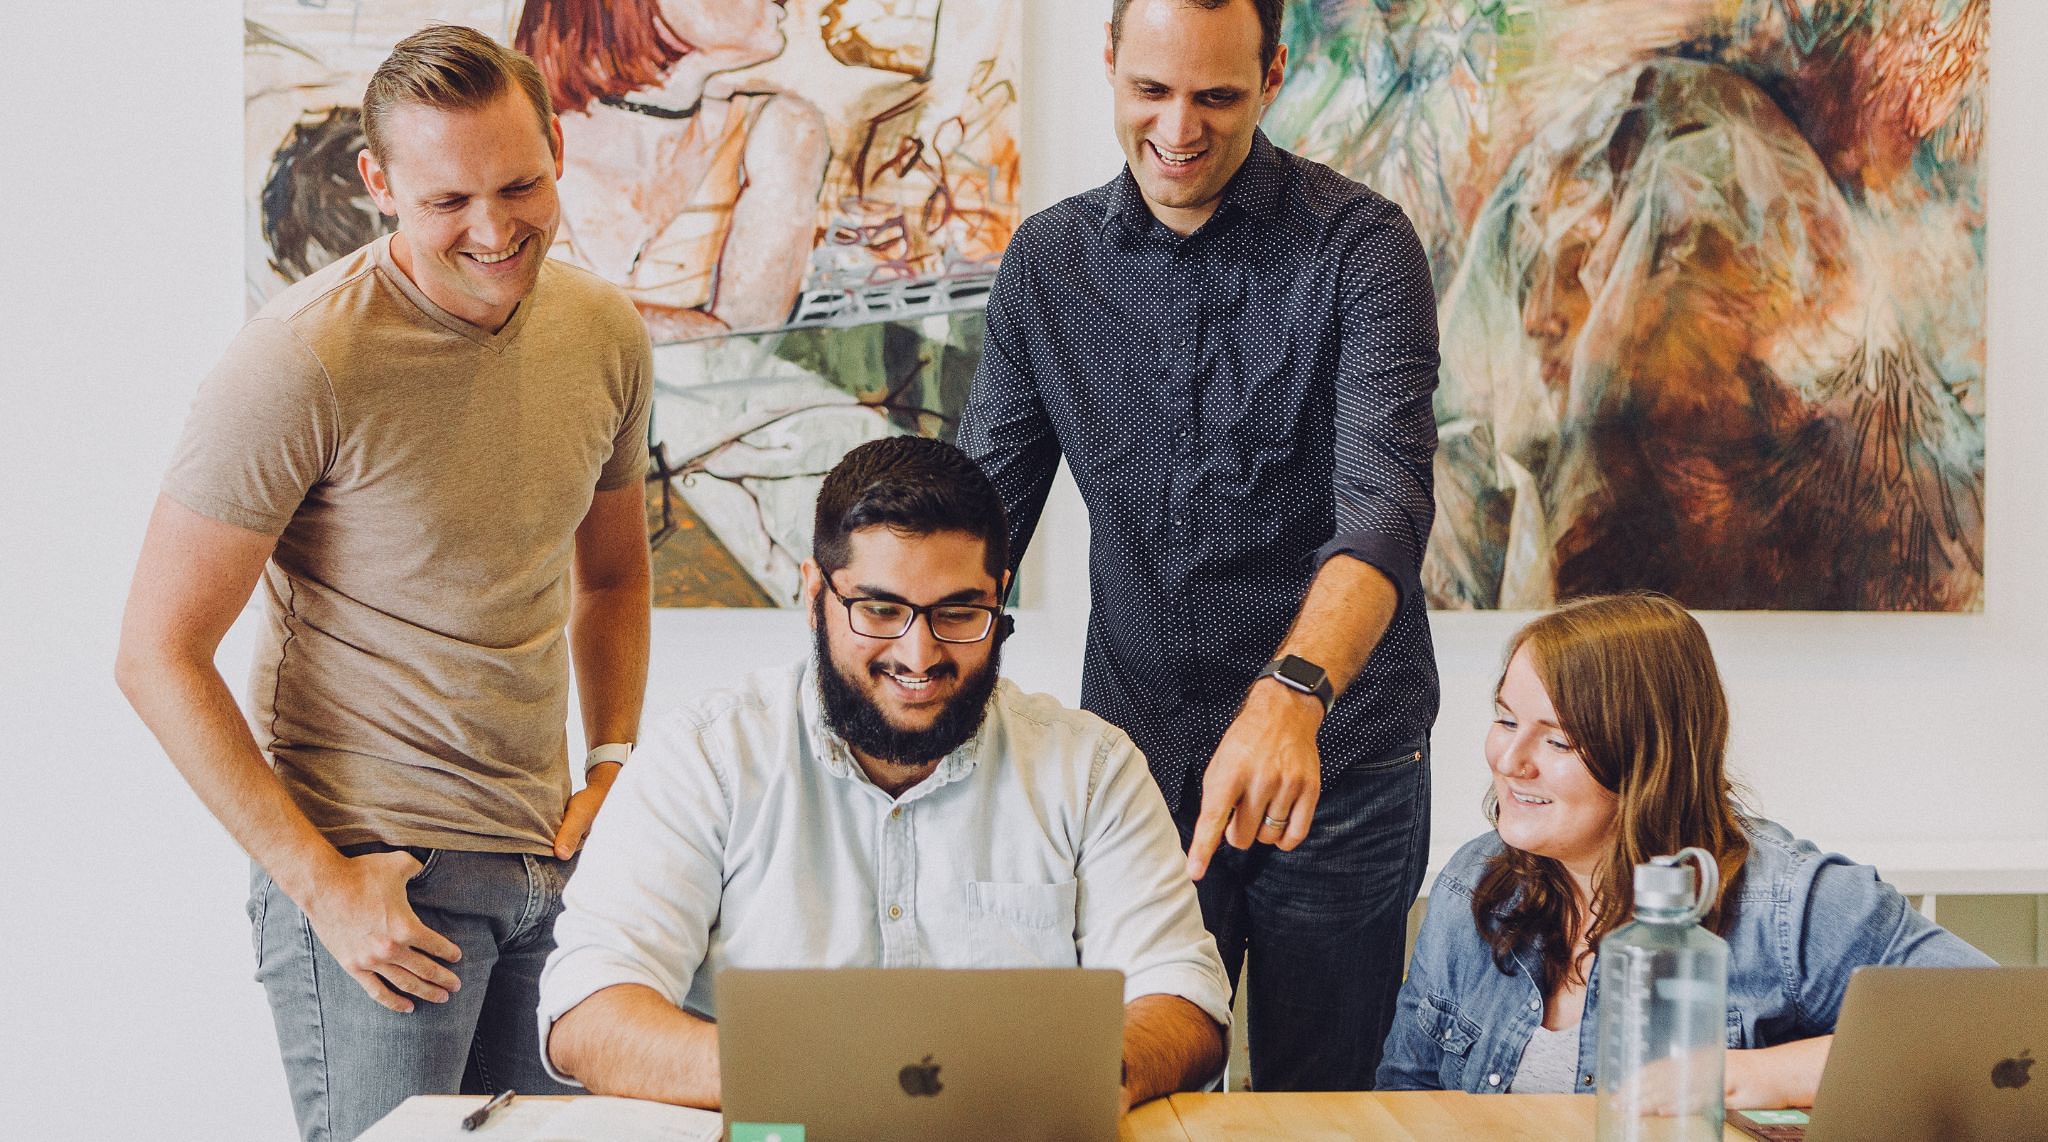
{"x": 847, "y": 1054}
{"x": 1937, "y": 1053}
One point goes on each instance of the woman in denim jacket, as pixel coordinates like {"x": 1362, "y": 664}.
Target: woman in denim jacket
{"x": 1607, "y": 749}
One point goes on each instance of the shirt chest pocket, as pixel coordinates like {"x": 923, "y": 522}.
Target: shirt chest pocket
{"x": 1454, "y": 1036}
{"x": 1014, "y": 924}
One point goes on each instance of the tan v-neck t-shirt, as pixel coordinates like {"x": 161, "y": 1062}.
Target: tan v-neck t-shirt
{"x": 424, "y": 479}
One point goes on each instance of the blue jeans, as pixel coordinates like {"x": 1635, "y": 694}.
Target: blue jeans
{"x": 1325, "y": 925}
{"x": 348, "y": 1060}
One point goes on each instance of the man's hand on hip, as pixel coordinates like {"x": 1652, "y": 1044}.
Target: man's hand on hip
{"x": 583, "y": 807}
{"x": 365, "y": 921}
{"x": 1265, "y": 778}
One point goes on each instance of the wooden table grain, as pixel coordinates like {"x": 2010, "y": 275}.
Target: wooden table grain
{"x": 1392, "y": 1116}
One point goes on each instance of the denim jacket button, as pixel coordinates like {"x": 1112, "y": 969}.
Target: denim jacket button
{"x": 1493, "y": 1080}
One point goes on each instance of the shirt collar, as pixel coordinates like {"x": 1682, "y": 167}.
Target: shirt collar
{"x": 831, "y": 749}
{"x": 1256, "y": 189}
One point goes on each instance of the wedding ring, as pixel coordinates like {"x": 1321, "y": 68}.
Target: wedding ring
{"x": 1273, "y": 824}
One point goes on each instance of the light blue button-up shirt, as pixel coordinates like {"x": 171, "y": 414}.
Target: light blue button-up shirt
{"x": 744, "y": 834}
{"x": 1803, "y": 921}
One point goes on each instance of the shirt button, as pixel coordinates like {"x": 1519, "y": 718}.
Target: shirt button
{"x": 895, "y": 911}
{"x": 1585, "y": 1080}
{"x": 1493, "y": 1080}
{"x": 1534, "y": 1004}
{"x": 897, "y": 812}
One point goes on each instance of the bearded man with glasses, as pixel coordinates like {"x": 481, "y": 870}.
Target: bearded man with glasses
{"x": 888, "y": 802}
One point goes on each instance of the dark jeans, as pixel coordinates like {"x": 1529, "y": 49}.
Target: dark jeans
{"x": 1325, "y": 925}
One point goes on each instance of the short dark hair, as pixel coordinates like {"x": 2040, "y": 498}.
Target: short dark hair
{"x": 912, "y": 485}
{"x": 1269, "y": 23}
{"x": 450, "y": 68}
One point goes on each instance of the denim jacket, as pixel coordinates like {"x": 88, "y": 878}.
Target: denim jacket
{"x": 1803, "y": 921}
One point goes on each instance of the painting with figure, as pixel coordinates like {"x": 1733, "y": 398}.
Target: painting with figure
{"x": 806, "y": 200}
{"x": 1711, "y": 286}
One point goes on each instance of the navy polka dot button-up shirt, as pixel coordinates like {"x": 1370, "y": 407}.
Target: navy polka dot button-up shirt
{"x": 1236, "y": 406}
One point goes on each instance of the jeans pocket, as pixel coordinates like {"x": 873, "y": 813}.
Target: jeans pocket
{"x": 1406, "y": 755}
{"x": 258, "y": 909}
{"x": 429, "y": 859}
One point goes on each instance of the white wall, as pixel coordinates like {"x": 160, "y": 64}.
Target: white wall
{"x": 128, "y": 1010}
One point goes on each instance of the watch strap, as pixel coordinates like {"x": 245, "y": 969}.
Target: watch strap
{"x": 1321, "y": 688}
{"x": 609, "y": 751}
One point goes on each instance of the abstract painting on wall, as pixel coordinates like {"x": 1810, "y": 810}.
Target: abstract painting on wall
{"x": 1711, "y": 284}
{"x": 806, "y": 199}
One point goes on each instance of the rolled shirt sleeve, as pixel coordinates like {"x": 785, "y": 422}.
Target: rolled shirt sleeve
{"x": 1386, "y": 436}
{"x": 646, "y": 891}
{"x": 1136, "y": 911}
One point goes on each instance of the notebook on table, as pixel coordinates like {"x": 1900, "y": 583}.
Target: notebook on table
{"x": 582, "y": 1118}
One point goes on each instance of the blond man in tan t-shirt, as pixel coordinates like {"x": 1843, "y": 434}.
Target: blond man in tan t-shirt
{"x": 430, "y": 454}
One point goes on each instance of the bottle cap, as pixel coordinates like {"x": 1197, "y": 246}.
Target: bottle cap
{"x": 1664, "y": 887}
{"x": 1665, "y": 884}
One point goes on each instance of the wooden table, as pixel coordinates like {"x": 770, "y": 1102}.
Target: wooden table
{"x": 1393, "y": 1116}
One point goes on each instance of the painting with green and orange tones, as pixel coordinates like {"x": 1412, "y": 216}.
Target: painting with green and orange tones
{"x": 1711, "y": 286}
{"x": 806, "y": 200}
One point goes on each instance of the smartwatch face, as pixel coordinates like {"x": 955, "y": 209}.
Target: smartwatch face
{"x": 1299, "y": 673}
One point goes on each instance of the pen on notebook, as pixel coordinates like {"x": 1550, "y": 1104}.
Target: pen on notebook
{"x": 475, "y": 1118}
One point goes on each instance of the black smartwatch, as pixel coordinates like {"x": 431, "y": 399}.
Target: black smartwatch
{"x": 1298, "y": 673}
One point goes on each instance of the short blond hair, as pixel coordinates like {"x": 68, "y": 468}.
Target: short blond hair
{"x": 450, "y": 67}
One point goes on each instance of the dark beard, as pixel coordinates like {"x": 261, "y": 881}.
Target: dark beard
{"x": 854, "y": 716}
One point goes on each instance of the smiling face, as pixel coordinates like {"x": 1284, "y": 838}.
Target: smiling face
{"x": 740, "y": 32}
{"x": 905, "y": 701}
{"x": 1550, "y": 803}
{"x": 474, "y": 195}
{"x": 1188, "y": 92}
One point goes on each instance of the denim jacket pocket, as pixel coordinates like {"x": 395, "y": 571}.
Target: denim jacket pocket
{"x": 1454, "y": 1036}
{"x": 1737, "y": 1039}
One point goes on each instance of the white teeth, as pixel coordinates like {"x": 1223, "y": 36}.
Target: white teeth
{"x": 1528, "y": 800}
{"x": 494, "y": 259}
{"x": 912, "y": 683}
{"x": 1175, "y": 158}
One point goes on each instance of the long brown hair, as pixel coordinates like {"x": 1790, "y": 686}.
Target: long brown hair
{"x": 1634, "y": 685}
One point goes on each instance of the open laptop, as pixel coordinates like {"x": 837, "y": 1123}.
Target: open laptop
{"x": 1935, "y": 1053}
{"x": 852, "y": 1054}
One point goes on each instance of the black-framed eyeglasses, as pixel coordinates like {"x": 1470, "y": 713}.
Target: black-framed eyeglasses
{"x": 887, "y": 618}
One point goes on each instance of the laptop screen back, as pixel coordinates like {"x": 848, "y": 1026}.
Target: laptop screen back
{"x": 1937, "y": 1053}
{"x": 863, "y": 1053}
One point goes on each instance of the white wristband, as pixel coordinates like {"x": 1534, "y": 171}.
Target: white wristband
{"x": 609, "y": 751}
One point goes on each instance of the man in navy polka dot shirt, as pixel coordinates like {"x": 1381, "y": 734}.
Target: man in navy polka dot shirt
{"x": 1235, "y": 350}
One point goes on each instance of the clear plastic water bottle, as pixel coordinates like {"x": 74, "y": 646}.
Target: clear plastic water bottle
{"x": 1663, "y": 994}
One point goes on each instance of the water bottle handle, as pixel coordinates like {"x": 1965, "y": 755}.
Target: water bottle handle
{"x": 1710, "y": 880}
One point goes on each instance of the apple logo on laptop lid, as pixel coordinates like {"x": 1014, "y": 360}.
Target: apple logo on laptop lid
{"x": 921, "y": 1080}
{"x": 2012, "y": 1073}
